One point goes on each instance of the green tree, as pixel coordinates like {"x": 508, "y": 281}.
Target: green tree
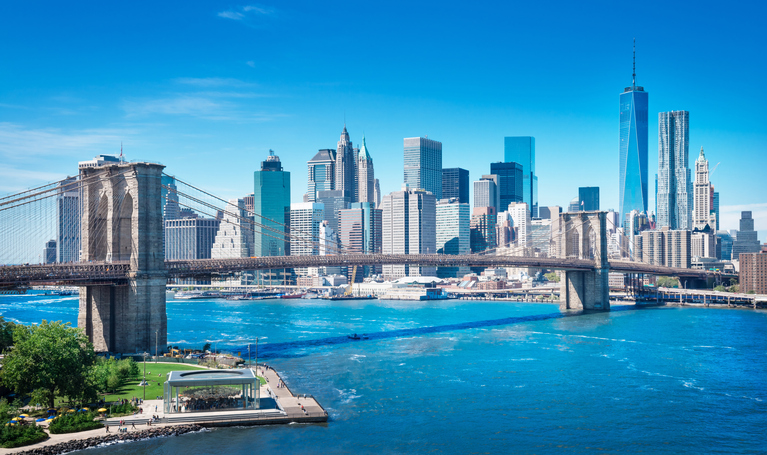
{"x": 206, "y": 347}
{"x": 52, "y": 356}
{"x": 667, "y": 282}
{"x": 6, "y": 334}
{"x": 552, "y": 276}
{"x": 720, "y": 288}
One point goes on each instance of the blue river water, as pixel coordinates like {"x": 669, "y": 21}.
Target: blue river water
{"x": 480, "y": 377}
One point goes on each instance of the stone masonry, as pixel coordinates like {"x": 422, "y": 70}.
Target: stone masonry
{"x": 122, "y": 221}
{"x": 585, "y": 237}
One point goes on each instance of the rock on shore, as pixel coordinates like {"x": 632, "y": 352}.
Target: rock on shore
{"x": 81, "y": 444}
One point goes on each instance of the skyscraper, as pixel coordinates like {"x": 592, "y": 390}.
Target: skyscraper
{"x": 365, "y": 175}
{"x": 455, "y": 184}
{"x": 702, "y": 214}
{"x": 675, "y": 196}
{"x": 233, "y": 236}
{"x": 170, "y": 206}
{"x": 487, "y": 192}
{"x": 305, "y": 220}
{"x": 423, "y": 165}
{"x": 377, "y": 194}
{"x": 360, "y": 232}
{"x": 322, "y": 173}
{"x": 520, "y": 215}
{"x": 49, "y": 252}
{"x": 346, "y": 163}
{"x": 190, "y": 238}
{"x": 483, "y": 232}
{"x": 588, "y": 198}
{"x": 271, "y": 207}
{"x": 510, "y": 183}
{"x": 333, "y": 201}
{"x": 632, "y": 185}
{"x": 521, "y": 150}
{"x": 409, "y": 227}
{"x": 68, "y": 214}
{"x": 453, "y": 233}
{"x": 746, "y": 240}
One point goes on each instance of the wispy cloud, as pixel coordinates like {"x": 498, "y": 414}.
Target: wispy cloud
{"x": 204, "y": 107}
{"x": 18, "y": 142}
{"x": 730, "y": 215}
{"x": 214, "y": 82}
{"x": 250, "y": 15}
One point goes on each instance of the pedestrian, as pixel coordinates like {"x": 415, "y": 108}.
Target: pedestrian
{"x": 155, "y": 408}
{"x": 133, "y": 425}
{"x": 107, "y": 426}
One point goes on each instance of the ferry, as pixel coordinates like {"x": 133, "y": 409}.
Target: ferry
{"x": 293, "y": 296}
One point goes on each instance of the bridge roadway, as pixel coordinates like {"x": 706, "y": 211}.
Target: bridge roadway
{"x": 98, "y": 273}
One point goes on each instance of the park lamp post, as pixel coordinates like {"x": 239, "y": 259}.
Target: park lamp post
{"x": 144, "y": 381}
{"x": 155, "y": 345}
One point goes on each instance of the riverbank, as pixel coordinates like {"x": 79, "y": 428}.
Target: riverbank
{"x": 58, "y": 444}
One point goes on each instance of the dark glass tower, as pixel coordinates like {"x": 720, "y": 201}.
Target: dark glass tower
{"x": 588, "y": 198}
{"x": 521, "y": 150}
{"x": 455, "y": 184}
{"x": 510, "y": 183}
{"x": 632, "y": 185}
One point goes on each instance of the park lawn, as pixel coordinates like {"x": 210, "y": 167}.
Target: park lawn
{"x": 133, "y": 389}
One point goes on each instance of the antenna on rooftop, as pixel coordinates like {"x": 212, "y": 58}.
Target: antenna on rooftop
{"x": 634, "y": 71}
{"x": 271, "y": 152}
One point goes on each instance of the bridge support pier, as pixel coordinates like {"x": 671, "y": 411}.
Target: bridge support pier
{"x": 122, "y": 221}
{"x": 585, "y": 238}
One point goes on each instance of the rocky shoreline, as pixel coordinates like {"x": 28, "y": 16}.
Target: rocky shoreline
{"x": 82, "y": 444}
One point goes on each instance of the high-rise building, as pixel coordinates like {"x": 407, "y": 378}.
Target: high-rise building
{"x": 234, "y": 236}
{"x": 455, "y": 184}
{"x": 365, "y": 175}
{"x": 453, "y": 233}
{"x": 423, "y": 165}
{"x": 190, "y": 238}
{"x": 49, "y": 252}
{"x": 360, "y": 232}
{"x": 409, "y": 227}
{"x": 588, "y": 197}
{"x": 346, "y": 163}
{"x": 487, "y": 192}
{"x": 510, "y": 183}
{"x": 746, "y": 240}
{"x": 715, "y": 206}
{"x": 574, "y": 205}
{"x": 322, "y": 173}
{"x": 68, "y": 212}
{"x": 521, "y": 150}
{"x": 169, "y": 194}
{"x": 483, "y": 232}
{"x": 632, "y": 185}
{"x": 520, "y": 215}
{"x": 703, "y": 245}
{"x": 305, "y": 220}
{"x": 334, "y": 201}
{"x": 675, "y": 196}
{"x": 377, "y": 194}
{"x": 670, "y": 248}
{"x": 753, "y": 272}
{"x": 271, "y": 207}
{"x": 724, "y": 245}
{"x": 702, "y": 214}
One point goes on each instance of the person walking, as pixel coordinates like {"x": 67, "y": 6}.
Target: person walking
{"x": 133, "y": 425}
{"x": 107, "y": 427}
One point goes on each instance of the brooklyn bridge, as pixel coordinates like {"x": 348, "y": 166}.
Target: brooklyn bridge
{"x": 123, "y": 273}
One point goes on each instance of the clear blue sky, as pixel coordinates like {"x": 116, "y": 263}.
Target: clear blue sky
{"x": 207, "y": 88}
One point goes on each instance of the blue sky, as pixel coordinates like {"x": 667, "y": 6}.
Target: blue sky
{"x": 207, "y": 88}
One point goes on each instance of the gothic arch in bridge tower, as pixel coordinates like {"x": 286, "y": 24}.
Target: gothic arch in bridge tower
{"x": 585, "y": 237}
{"x": 122, "y": 223}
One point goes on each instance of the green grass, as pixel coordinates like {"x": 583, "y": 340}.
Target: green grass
{"x": 133, "y": 389}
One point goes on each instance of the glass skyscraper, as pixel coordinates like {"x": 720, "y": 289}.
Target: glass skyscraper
{"x": 455, "y": 184}
{"x": 632, "y": 187}
{"x": 510, "y": 183}
{"x": 521, "y": 150}
{"x": 675, "y": 190}
{"x": 423, "y": 165}
{"x": 588, "y": 198}
{"x": 271, "y": 206}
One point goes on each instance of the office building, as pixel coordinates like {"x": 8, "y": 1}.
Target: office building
{"x": 190, "y": 238}
{"x": 248, "y": 200}
{"x": 455, "y": 184}
{"x": 346, "y": 164}
{"x": 670, "y": 248}
{"x": 482, "y": 227}
{"x": 746, "y": 241}
{"x": 170, "y": 202}
{"x": 100, "y": 160}
{"x": 322, "y": 173}
{"x": 703, "y": 245}
{"x": 334, "y": 201}
{"x": 68, "y": 213}
{"x": 360, "y": 232}
{"x": 521, "y": 150}
{"x": 49, "y": 252}
{"x": 588, "y": 197}
{"x": 505, "y": 234}
{"x": 675, "y": 195}
{"x": 377, "y": 194}
{"x": 365, "y": 176}
{"x": 574, "y": 205}
{"x": 453, "y": 233}
{"x": 305, "y": 220}
{"x": 271, "y": 209}
{"x": 715, "y": 206}
{"x": 724, "y": 245}
{"x": 409, "y": 227}
{"x": 520, "y": 216}
{"x": 234, "y": 237}
{"x": 510, "y": 183}
{"x": 753, "y": 272}
{"x": 487, "y": 192}
{"x": 632, "y": 180}
{"x": 423, "y": 165}
{"x": 703, "y": 213}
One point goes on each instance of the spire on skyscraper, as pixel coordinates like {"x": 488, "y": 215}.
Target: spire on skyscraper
{"x": 634, "y": 70}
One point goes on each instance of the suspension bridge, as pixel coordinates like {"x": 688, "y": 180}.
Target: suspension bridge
{"x": 121, "y": 268}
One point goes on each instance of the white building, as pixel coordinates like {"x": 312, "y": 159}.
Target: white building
{"x": 305, "y": 221}
{"x": 409, "y": 227}
{"x": 453, "y": 233}
{"x": 520, "y": 215}
{"x": 702, "y": 213}
{"x": 235, "y": 233}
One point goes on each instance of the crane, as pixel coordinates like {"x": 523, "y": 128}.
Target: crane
{"x": 712, "y": 170}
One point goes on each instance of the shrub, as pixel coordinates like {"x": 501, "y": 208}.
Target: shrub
{"x": 21, "y": 435}
{"x": 72, "y": 423}
{"x": 122, "y": 409}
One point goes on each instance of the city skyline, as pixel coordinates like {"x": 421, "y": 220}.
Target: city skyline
{"x": 200, "y": 118}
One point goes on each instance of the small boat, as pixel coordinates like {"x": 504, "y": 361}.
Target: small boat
{"x": 291, "y": 296}
{"x": 354, "y": 337}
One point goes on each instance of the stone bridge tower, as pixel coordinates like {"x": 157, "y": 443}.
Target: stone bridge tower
{"x": 122, "y": 222}
{"x": 584, "y": 236}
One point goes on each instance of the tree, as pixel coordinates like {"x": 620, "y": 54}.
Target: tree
{"x": 6, "y": 334}
{"x": 667, "y": 282}
{"x": 552, "y": 276}
{"x": 52, "y": 356}
{"x": 206, "y": 347}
